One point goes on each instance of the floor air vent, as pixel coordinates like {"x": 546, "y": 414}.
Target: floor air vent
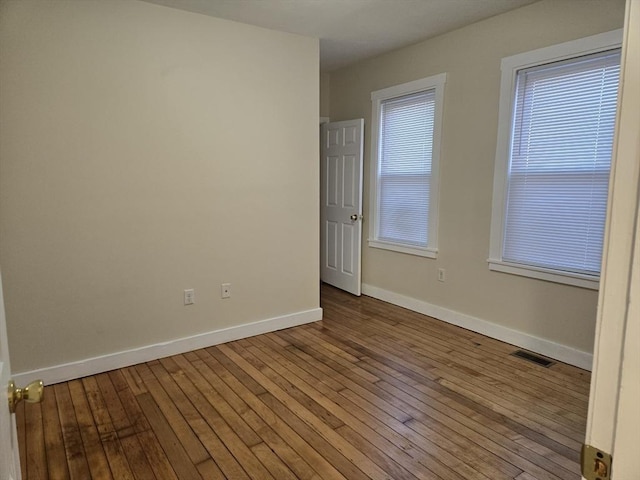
{"x": 532, "y": 357}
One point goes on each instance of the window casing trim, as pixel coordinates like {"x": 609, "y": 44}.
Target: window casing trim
{"x": 402, "y": 248}
{"x": 437, "y": 83}
{"x": 510, "y": 67}
{"x": 591, "y": 282}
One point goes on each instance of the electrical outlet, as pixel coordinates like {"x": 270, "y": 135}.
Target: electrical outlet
{"x": 225, "y": 290}
{"x": 189, "y": 296}
{"x": 441, "y": 274}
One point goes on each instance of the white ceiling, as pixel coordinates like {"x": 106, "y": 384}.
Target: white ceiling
{"x": 352, "y": 30}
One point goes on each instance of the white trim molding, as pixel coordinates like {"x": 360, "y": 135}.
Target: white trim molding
{"x": 104, "y": 363}
{"x": 578, "y": 280}
{"x": 520, "y": 339}
{"x": 419, "y": 251}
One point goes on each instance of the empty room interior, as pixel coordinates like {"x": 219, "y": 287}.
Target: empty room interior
{"x": 319, "y": 239}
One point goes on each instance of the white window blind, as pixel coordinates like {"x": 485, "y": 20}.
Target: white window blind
{"x": 405, "y": 168}
{"x": 560, "y": 158}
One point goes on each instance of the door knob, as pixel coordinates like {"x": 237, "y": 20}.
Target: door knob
{"x": 32, "y": 393}
{"x": 355, "y": 217}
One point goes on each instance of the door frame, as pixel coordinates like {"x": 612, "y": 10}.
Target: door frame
{"x": 611, "y": 423}
{"x": 10, "y": 450}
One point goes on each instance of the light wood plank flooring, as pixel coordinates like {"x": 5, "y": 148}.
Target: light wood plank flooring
{"x": 372, "y": 391}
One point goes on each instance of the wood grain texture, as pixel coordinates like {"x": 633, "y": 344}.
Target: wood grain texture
{"x": 373, "y": 391}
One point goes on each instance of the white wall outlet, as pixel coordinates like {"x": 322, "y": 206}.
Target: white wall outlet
{"x": 441, "y": 274}
{"x": 189, "y": 296}
{"x": 225, "y": 290}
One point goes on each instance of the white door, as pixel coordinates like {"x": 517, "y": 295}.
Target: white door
{"x": 613, "y": 424}
{"x": 341, "y": 204}
{"x": 9, "y": 459}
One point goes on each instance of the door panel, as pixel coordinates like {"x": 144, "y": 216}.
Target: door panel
{"x": 9, "y": 459}
{"x": 341, "y": 204}
{"x": 331, "y": 242}
{"x": 331, "y": 181}
{"x": 349, "y": 175}
{"x": 348, "y": 239}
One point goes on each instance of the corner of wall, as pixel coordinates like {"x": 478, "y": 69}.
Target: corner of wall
{"x": 325, "y": 94}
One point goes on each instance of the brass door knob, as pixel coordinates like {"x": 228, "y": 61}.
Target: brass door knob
{"x": 32, "y": 393}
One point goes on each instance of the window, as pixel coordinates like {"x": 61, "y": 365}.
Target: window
{"x": 555, "y": 141}
{"x": 404, "y": 177}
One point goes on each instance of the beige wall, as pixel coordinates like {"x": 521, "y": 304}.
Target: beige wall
{"x": 325, "y": 95}
{"x": 145, "y": 150}
{"x": 471, "y": 57}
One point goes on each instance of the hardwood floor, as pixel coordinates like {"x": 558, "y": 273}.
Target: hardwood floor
{"x": 372, "y": 391}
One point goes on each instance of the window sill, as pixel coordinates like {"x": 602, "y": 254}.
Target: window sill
{"x": 577, "y": 280}
{"x": 419, "y": 251}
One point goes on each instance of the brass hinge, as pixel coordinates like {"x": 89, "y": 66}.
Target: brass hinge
{"x": 596, "y": 464}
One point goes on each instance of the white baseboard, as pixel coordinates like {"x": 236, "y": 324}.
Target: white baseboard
{"x": 104, "y": 363}
{"x": 544, "y": 347}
